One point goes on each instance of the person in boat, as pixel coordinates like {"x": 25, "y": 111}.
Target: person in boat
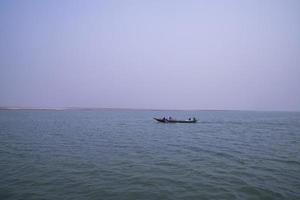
{"x": 164, "y": 118}
{"x": 194, "y": 119}
{"x": 190, "y": 119}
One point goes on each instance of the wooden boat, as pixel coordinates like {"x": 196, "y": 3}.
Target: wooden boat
{"x": 165, "y": 120}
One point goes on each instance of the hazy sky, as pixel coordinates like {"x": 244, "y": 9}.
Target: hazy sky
{"x": 212, "y": 54}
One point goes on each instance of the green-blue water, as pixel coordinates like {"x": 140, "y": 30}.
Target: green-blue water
{"x": 98, "y": 154}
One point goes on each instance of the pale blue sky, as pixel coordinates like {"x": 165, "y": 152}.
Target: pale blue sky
{"x": 151, "y": 54}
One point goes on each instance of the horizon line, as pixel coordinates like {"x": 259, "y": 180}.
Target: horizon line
{"x": 128, "y": 109}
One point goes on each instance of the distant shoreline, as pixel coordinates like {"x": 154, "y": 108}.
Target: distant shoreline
{"x": 95, "y": 108}
{"x": 133, "y": 109}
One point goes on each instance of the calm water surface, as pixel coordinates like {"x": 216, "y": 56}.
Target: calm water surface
{"x": 100, "y": 154}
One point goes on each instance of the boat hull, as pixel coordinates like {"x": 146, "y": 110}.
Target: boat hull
{"x": 174, "y": 121}
{"x": 161, "y": 120}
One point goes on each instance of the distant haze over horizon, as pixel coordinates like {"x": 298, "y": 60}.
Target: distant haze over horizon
{"x": 219, "y": 55}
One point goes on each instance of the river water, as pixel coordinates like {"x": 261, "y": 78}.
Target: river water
{"x": 119, "y": 154}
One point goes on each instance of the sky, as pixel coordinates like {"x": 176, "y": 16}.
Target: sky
{"x": 168, "y": 54}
